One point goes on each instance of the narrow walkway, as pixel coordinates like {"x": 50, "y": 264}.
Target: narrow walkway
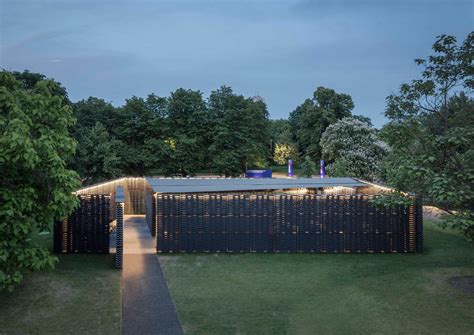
{"x": 147, "y": 307}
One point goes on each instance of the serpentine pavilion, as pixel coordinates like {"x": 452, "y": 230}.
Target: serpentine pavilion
{"x": 230, "y": 215}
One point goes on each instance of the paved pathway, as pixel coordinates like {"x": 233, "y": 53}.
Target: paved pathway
{"x": 147, "y": 307}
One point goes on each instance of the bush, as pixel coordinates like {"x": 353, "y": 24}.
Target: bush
{"x": 308, "y": 168}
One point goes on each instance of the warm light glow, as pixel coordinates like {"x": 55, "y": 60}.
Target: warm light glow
{"x": 339, "y": 190}
{"x": 297, "y": 191}
{"x": 378, "y": 186}
{"x": 109, "y": 186}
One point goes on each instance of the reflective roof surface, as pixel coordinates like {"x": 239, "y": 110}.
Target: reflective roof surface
{"x": 197, "y": 185}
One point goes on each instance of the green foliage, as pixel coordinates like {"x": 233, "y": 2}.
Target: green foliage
{"x": 139, "y": 122}
{"x": 392, "y": 199}
{"x": 280, "y": 132}
{"x": 462, "y": 221}
{"x": 29, "y": 80}
{"x": 364, "y": 119}
{"x": 308, "y": 168}
{"x": 352, "y": 147}
{"x": 187, "y": 126}
{"x": 90, "y": 111}
{"x": 35, "y": 188}
{"x": 284, "y": 152}
{"x": 309, "y": 120}
{"x": 240, "y": 132}
{"x": 431, "y": 131}
{"x": 177, "y": 135}
{"x": 98, "y": 155}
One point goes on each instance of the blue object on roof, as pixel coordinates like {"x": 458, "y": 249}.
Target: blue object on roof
{"x": 258, "y": 173}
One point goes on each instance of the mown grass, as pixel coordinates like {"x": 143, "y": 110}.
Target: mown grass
{"x": 80, "y": 296}
{"x": 326, "y": 293}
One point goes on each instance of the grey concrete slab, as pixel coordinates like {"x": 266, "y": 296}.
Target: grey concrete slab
{"x": 147, "y": 306}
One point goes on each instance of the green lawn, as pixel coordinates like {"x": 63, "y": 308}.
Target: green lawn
{"x": 326, "y": 294}
{"x": 80, "y": 296}
{"x": 262, "y": 293}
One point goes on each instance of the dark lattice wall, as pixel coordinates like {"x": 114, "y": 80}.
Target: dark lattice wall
{"x": 87, "y": 228}
{"x": 135, "y": 189}
{"x": 283, "y": 223}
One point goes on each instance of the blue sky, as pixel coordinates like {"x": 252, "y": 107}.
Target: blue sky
{"x": 280, "y": 50}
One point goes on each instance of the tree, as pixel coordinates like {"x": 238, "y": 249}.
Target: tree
{"x": 187, "y": 130}
{"x": 309, "y": 120}
{"x": 280, "y": 131}
{"x": 98, "y": 155}
{"x": 239, "y": 132}
{"x": 364, "y": 119}
{"x": 281, "y": 137}
{"x": 284, "y": 152}
{"x": 29, "y": 80}
{"x": 90, "y": 111}
{"x": 431, "y": 131}
{"x": 353, "y": 148}
{"x": 308, "y": 168}
{"x": 139, "y": 124}
{"x": 35, "y": 188}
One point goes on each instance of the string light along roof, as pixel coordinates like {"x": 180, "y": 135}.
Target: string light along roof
{"x": 204, "y": 185}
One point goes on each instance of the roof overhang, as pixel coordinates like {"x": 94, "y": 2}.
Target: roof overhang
{"x": 205, "y": 185}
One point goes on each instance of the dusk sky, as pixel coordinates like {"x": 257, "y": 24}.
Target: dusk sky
{"x": 280, "y": 50}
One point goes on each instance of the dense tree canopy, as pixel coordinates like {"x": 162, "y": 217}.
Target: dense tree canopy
{"x": 98, "y": 155}
{"x": 353, "y": 148}
{"x": 282, "y": 146}
{"x": 240, "y": 132}
{"x": 310, "y": 119}
{"x": 29, "y": 80}
{"x": 187, "y": 132}
{"x": 35, "y": 187}
{"x": 90, "y": 111}
{"x": 176, "y": 135}
{"x": 431, "y": 132}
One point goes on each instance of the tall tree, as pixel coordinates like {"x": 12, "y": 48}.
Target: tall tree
{"x": 310, "y": 119}
{"x": 280, "y": 131}
{"x": 90, "y": 111}
{"x": 186, "y": 132}
{"x": 353, "y": 149}
{"x": 282, "y": 146}
{"x": 35, "y": 187}
{"x": 431, "y": 131}
{"x": 97, "y": 157}
{"x": 139, "y": 123}
{"x": 240, "y": 132}
{"x": 29, "y": 80}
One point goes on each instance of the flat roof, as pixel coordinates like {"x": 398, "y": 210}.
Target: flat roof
{"x": 204, "y": 185}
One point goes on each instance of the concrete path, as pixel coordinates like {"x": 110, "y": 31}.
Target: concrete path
{"x": 147, "y": 306}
